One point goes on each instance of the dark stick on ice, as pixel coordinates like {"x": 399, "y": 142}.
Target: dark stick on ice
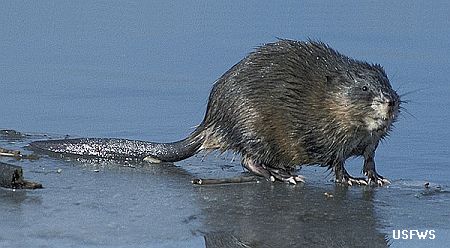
{"x": 240, "y": 179}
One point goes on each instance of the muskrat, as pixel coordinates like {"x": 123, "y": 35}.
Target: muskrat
{"x": 287, "y": 104}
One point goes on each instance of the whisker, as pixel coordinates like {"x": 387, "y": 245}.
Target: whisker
{"x": 412, "y": 91}
{"x": 404, "y": 110}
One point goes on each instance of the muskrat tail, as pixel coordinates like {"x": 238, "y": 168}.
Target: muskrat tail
{"x": 122, "y": 149}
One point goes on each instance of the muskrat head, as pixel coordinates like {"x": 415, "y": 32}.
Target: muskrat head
{"x": 369, "y": 98}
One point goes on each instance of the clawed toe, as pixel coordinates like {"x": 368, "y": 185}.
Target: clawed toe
{"x": 299, "y": 178}
{"x": 292, "y": 179}
{"x": 285, "y": 176}
{"x": 376, "y": 179}
{"x": 295, "y": 179}
{"x": 372, "y": 179}
{"x": 350, "y": 181}
{"x": 359, "y": 181}
{"x": 272, "y": 174}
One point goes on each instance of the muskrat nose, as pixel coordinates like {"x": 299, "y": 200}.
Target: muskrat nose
{"x": 391, "y": 103}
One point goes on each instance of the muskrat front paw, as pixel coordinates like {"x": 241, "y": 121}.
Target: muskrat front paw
{"x": 376, "y": 179}
{"x": 350, "y": 181}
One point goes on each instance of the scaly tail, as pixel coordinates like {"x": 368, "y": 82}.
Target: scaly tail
{"x": 123, "y": 149}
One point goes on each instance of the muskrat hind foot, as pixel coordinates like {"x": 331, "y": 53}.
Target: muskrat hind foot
{"x": 272, "y": 174}
{"x": 285, "y": 176}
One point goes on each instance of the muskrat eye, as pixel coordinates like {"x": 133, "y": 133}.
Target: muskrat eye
{"x": 364, "y": 88}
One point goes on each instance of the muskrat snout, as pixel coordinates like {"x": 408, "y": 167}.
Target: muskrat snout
{"x": 385, "y": 108}
{"x": 394, "y": 103}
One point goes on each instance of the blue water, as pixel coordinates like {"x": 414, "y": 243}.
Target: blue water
{"x": 143, "y": 70}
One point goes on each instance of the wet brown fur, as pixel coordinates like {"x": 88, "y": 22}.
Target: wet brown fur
{"x": 293, "y": 103}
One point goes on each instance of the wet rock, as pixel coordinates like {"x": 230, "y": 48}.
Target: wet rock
{"x": 11, "y": 176}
